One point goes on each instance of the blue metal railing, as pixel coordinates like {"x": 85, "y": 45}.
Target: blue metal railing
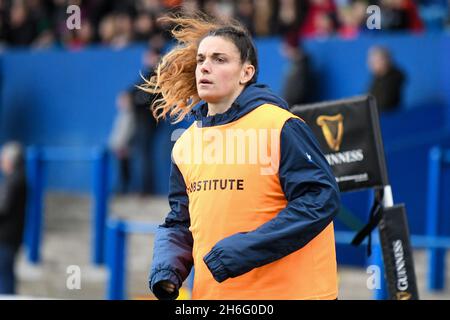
{"x": 432, "y": 241}
{"x": 438, "y": 160}
{"x": 37, "y": 157}
{"x": 117, "y": 232}
{"x": 117, "y": 257}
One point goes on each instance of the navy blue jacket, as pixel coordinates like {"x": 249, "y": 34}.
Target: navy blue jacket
{"x": 313, "y": 201}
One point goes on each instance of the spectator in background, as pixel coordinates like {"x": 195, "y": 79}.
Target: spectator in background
{"x": 263, "y": 9}
{"x": 59, "y": 19}
{"x": 190, "y": 6}
{"x": 288, "y": 16}
{"x": 42, "y": 23}
{"x": 120, "y": 140}
{"x": 245, "y": 10}
{"x": 13, "y": 195}
{"x": 210, "y": 8}
{"x": 298, "y": 84}
{"x": 320, "y": 20}
{"x": 82, "y": 37}
{"x": 3, "y": 25}
{"x": 171, "y": 3}
{"x": 325, "y": 25}
{"x": 123, "y": 27}
{"x": 154, "y": 6}
{"x": 349, "y": 21}
{"x": 145, "y": 123}
{"x": 359, "y": 14}
{"x": 400, "y": 15}
{"x": 447, "y": 21}
{"x": 21, "y": 28}
{"x": 106, "y": 30}
{"x": 39, "y": 13}
{"x": 145, "y": 26}
{"x": 220, "y": 9}
{"x": 387, "y": 79}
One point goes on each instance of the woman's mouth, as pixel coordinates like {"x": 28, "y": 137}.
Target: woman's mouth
{"x": 205, "y": 81}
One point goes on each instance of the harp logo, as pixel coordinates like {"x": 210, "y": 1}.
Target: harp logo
{"x": 403, "y": 296}
{"x": 332, "y": 129}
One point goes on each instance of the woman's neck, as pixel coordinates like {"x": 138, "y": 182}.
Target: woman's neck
{"x": 222, "y": 106}
{"x": 217, "y": 108}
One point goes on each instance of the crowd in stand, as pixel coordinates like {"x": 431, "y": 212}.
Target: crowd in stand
{"x": 43, "y": 23}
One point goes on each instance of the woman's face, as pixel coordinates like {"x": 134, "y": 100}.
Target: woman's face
{"x": 220, "y": 74}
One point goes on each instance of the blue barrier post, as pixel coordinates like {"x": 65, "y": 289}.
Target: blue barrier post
{"x": 36, "y": 157}
{"x": 100, "y": 207}
{"x": 117, "y": 231}
{"x": 436, "y": 256}
{"x": 116, "y": 260}
{"x": 33, "y": 230}
{"x": 376, "y": 259}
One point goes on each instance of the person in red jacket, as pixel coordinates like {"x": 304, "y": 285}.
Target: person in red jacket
{"x": 400, "y": 15}
{"x": 320, "y": 19}
{"x": 252, "y": 197}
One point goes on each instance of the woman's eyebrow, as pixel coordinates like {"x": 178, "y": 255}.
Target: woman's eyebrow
{"x": 214, "y": 54}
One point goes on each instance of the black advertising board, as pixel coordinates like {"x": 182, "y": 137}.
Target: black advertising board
{"x": 348, "y": 132}
{"x": 397, "y": 254}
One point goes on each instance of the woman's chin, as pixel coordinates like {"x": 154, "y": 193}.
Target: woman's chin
{"x": 209, "y": 98}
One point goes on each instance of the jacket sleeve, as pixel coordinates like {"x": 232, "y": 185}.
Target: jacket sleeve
{"x": 313, "y": 201}
{"x": 172, "y": 253}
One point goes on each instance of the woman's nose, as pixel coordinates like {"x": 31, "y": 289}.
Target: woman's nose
{"x": 205, "y": 67}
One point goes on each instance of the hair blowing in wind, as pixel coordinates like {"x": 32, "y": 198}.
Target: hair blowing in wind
{"x": 174, "y": 77}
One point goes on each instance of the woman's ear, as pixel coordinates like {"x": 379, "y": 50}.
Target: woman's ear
{"x": 248, "y": 71}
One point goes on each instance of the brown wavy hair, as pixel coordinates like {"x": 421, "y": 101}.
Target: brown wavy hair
{"x": 174, "y": 78}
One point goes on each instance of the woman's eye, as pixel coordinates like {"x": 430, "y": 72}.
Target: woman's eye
{"x": 220, "y": 60}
